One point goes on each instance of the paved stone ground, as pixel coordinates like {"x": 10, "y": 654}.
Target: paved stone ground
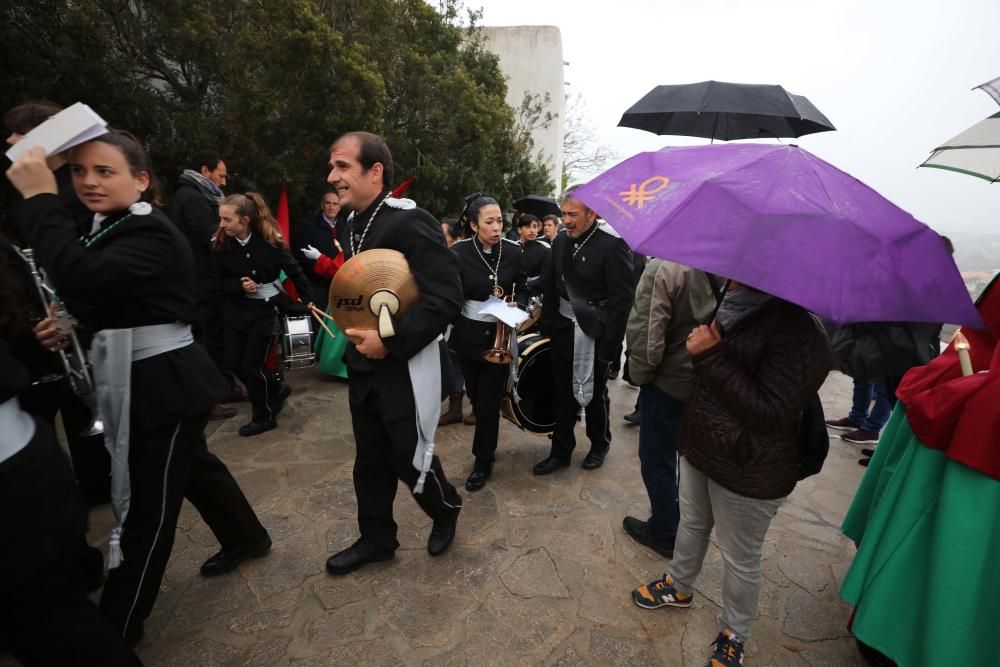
{"x": 540, "y": 572}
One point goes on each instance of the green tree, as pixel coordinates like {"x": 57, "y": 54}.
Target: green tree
{"x": 271, "y": 84}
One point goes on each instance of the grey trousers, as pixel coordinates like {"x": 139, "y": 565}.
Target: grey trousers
{"x": 740, "y": 526}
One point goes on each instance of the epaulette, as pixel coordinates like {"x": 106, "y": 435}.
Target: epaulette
{"x": 404, "y": 204}
{"x": 544, "y": 243}
{"x": 607, "y": 229}
{"x": 517, "y": 243}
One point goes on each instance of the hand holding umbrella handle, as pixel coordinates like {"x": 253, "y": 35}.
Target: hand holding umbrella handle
{"x": 703, "y": 338}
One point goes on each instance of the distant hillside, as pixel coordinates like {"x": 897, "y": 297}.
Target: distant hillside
{"x": 976, "y": 252}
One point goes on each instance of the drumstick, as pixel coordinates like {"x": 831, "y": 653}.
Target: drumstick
{"x": 320, "y": 312}
{"x": 313, "y": 310}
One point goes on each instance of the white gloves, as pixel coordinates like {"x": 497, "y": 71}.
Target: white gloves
{"x": 310, "y": 252}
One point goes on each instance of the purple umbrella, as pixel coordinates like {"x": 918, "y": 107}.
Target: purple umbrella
{"x": 780, "y": 219}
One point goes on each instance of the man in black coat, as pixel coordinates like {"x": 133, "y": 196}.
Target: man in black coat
{"x": 382, "y": 387}
{"x": 315, "y": 247}
{"x": 195, "y": 211}
{"x": 588, "y": 295}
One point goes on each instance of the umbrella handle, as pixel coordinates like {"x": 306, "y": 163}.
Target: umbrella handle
{"x": 719, "y": 295}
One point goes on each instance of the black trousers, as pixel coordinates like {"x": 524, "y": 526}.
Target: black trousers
{"x": 166, "y": 466}
{"x": 91, "y": 462}
{"x": 485, "y": 383}
{"x": 386, "y": 441}
{"x": 209, "y": 330}
{"x": 246, "y": 356}
{"x": 597, "y": 412}
{"x": 44, "y": 617}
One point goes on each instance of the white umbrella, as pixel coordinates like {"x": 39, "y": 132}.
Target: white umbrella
{"x": 991, "y": 88}
{"x": 975, "y": 152}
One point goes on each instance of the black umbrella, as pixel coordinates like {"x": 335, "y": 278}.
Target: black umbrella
{"x": 720, "y": 110}
{"x": 538, "y": 206}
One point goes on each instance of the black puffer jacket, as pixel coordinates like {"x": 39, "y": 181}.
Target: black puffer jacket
{"x": 740, "y": 426}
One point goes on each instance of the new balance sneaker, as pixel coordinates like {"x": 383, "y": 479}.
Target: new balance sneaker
{"x": 861, "y": 437}
{"x": 660, "y": 593}
{"x": 728, "y": 651}
{"x": 844, "y": 424}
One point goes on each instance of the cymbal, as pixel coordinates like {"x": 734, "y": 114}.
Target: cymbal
{"x": 367, "y": 281}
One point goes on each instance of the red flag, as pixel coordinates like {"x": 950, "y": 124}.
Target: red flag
{"x": 284, "y": 224}
{"x": 401, "y": 188}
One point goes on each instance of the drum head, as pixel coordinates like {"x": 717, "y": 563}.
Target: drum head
{"x": 529, "y": 403}
{"x": 380, "y": 272}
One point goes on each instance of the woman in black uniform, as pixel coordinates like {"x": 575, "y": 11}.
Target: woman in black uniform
{"x": 489, "y": 265}
{"x": 249, "y": 255}
{"x": 129, "y": 280}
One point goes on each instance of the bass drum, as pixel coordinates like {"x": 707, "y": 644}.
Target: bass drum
{"x": 528, "y": 402}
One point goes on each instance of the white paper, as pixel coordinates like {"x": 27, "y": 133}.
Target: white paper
{"x": 499, "y": 309}
{"x": 70, "y": 127}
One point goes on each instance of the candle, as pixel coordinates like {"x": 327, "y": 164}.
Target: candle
{"x": 962, "y": 347}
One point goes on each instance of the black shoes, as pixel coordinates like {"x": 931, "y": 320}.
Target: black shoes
{"x": 256, "y": 428}
{"x": 632, "y": 417}
{"x": 227, "y": 561}
{"x": 640, "y": 531}
{"x": 480, "y": 473}
{"x": 549, "y": 465}
{"x": 355, "y": 556}
{"x": 443, "y": 532}
{"x": 594, "y": 459}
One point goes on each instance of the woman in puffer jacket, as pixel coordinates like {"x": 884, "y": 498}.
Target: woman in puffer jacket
{"x": 756, "y": 368}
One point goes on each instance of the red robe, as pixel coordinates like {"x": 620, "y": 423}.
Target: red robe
{"x": 961, "y": 415}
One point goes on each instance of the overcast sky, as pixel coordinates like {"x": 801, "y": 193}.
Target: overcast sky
{"x": 893, "y": 76}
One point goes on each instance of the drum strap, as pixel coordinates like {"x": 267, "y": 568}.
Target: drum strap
{"x": 584, "y": 351}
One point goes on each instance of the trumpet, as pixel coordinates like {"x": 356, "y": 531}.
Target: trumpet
{"x": 500, "y": 352}
{"x": 74, "y": 361}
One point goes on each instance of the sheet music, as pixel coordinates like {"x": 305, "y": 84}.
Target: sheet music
{"x": 70, "y": 127}
{"x": 499, "y": 309}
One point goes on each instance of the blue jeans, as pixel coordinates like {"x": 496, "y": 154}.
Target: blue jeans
{"x": 659, "y": 421}
{"x": 863, "y": 393}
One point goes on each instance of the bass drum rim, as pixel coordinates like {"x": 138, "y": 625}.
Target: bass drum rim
{"x": 508, "y": 409}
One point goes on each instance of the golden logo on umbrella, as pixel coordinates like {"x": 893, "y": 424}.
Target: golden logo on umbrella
{"x": 639, "y": 196}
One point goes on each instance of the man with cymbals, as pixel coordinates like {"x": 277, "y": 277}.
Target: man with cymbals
{"x": 395, "y": 375}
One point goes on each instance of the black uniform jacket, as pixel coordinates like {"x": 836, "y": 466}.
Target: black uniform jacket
{"x": 470, "y": 338}
{"x": 415, "y": 233}
{"x": 261, "y": 261}
{"x": 198, "y": 219}
{"x": 537, "y": 257}
{"x": 319, "y": 235}
{"x": 600, "y": 275}
{"x": 138, "y": 273}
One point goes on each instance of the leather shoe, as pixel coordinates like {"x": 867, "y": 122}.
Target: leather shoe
{"x": 477, "y": 480}
{"x": 357, "y": 555}
{"x": 549, "y": 465}
{"x": 221, "y": 412}
{"x": 227, "y": 561}
{"x": 594, "y": 459}
{"x": 443, "y": 532}
{"x": 632, "y": 417}
{"x": 256, "y": 428}
{"x": 640, "y": 531}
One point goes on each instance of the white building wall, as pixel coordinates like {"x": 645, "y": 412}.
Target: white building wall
{"x": 531, "y": 57}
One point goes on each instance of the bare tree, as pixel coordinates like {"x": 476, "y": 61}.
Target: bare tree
{"x": 583, "y": 152}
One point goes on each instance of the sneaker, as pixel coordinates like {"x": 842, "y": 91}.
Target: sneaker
{"x": 861, "y": 437}
{"x": 728, "y": 651}
{"x": 844, "y": 424}
{"x": 660, "y": 593}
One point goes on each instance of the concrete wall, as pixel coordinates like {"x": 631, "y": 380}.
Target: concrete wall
{"x": 531, "y": 57}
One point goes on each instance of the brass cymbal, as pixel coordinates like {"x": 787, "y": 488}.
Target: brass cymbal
{"x": 365, "y": 282}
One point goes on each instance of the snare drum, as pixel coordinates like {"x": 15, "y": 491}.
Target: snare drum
{"x": 534, "y": 310}
{"x": 528, "y": 402}
{"x": 297, "y": 342}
